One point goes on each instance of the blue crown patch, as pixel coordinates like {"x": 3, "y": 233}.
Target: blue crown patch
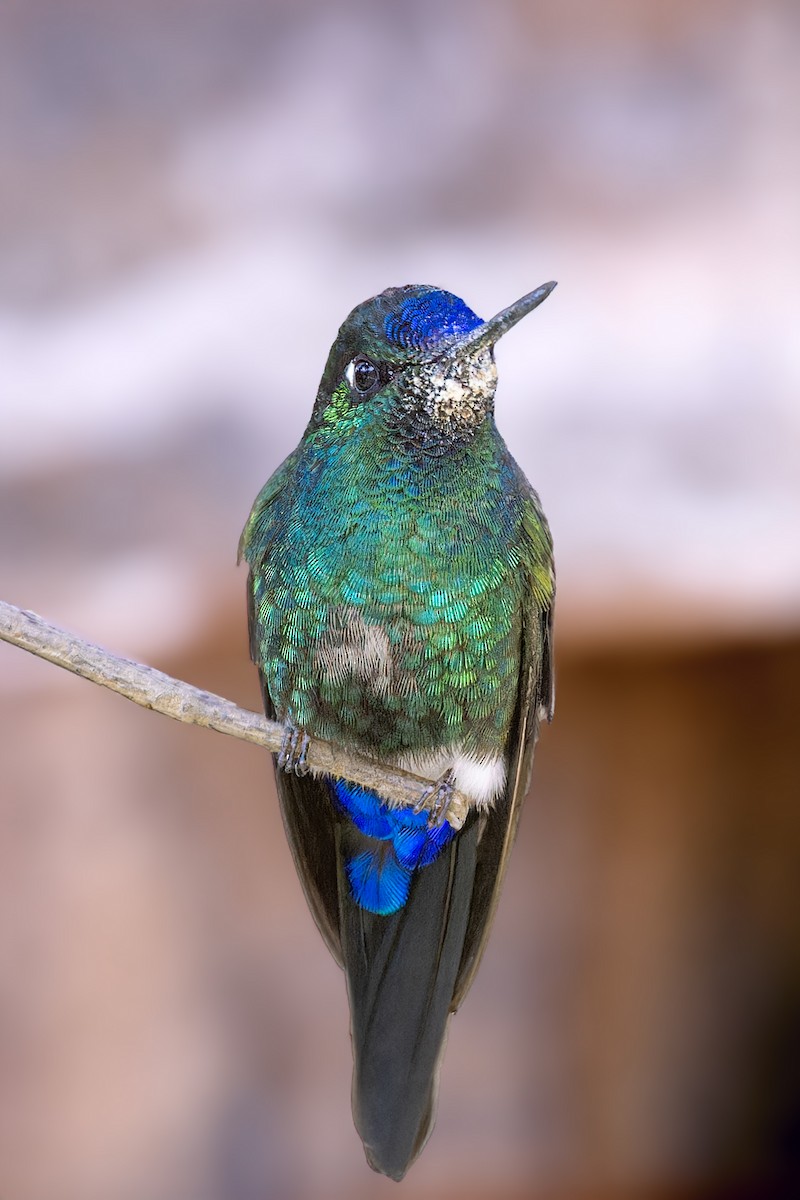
{"x": 424, "y": 319}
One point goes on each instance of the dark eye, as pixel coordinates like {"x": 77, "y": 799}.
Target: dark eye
{"x": 363, "y": 375}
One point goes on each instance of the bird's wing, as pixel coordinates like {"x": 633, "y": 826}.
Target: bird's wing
{"x": 311, "y": 821}
{"x": 535, "y": 702}
{"x": 407, "y": 972}
{"x": 306, "y": 805}
{"x": 260, "y": 527}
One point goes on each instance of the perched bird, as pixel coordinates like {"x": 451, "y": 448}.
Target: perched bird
{"x": 401, "y": 595}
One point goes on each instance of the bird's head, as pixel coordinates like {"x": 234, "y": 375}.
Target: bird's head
{"x": 417, "y": 364}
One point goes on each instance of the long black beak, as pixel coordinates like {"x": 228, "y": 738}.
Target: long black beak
{"x": 492, "y": 330}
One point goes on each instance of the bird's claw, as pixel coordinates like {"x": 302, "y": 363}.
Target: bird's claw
{"x": 294, "y": 749}
{"x": 437, "y": 797}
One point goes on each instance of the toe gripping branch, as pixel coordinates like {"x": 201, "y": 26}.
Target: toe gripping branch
{"x": 294, "y": 750}
{"x": 437, "y": 797}
{"x": 441, "y": 798}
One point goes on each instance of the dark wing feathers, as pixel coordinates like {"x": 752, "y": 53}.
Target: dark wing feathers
{"x": 310, "y": 819}
{"x": 535, "y": 699}
{"x": 306, "y": 806}
{"x": 501, "y": 821}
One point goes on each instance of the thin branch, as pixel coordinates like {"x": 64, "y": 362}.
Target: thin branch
{"x": 183, "y": 702}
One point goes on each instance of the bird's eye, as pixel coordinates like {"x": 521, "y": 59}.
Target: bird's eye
{"x": 363, "y": 375}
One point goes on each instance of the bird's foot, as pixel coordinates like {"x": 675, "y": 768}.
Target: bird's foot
{"x": 437, "y": 798}
{"x": 293, "y": 751}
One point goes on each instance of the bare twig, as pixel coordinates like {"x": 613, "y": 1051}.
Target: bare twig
{"x": 183, "y": 702}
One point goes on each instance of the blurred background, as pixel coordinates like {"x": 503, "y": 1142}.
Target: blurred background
{"x": 193, "y": 194}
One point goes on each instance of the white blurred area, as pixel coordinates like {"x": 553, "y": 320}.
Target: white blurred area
{"x": 182, "y": 247}
{"x": 193, "y": 195}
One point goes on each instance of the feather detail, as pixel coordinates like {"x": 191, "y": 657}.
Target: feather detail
{"x": 377, "y": 881}
{"x": 397, "y": 842}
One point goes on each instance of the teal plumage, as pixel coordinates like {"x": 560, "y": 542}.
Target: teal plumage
{"x": 401, "y": 592}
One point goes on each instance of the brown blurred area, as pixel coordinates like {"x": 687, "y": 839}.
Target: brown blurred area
{"x": 193, "y": 196}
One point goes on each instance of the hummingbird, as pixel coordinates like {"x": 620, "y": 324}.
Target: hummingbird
{"x": 400, "y": 602}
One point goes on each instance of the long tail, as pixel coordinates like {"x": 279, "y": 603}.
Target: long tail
{"x": 401, "y": 973}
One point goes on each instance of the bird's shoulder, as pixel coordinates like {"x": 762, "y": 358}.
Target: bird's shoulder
{"x": 257, "y": 532}
{"x": 535, "y": 547}
{"x": 534, "y": 542}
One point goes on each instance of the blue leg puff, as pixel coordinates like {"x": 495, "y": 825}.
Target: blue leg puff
{"x": 397, "y": 842}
